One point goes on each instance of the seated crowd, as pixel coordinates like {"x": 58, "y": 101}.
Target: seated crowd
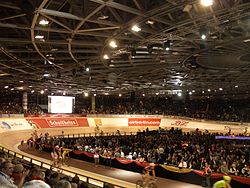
{"x": 171, "y": 147}
{"x": 17, "y": 173}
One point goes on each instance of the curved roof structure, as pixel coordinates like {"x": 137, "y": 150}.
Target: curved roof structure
{"x": 163, "y": 46}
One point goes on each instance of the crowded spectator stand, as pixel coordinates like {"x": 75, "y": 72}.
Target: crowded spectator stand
{"x": 191, "y": 174}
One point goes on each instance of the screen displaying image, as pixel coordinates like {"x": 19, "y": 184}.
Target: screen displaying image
{"x": 60, "y": 104}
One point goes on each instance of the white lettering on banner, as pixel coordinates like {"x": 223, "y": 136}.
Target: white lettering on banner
{"x": 136, "y": 122}
{"x": 235, "y": 128}
{"x": 54, "y": 123}
{"x": 180, "y": 123}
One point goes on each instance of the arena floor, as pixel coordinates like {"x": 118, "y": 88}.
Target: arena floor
{"x": 123, "y": 175}
{"x": 12, "y": 139}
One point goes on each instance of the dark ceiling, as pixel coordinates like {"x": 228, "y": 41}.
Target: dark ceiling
{"x": 78, "y": 36}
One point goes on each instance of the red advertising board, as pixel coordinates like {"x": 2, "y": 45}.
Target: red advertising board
{"x": 144, "y": 121}
{"x": 58, "y": 122}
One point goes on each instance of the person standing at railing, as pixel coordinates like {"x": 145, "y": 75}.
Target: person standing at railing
{"x": 96, "y": 158}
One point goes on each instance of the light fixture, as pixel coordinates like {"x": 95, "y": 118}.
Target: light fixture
{"x": 87, "y": 69}
{"x": 113, "y": 44}
{"x": 206, "y": 3}
{"x": 12, "y": 89}
{"x": 86, "y": 94}
{"x": 120, "y": 94}
{"x": 150, "y": 22}
{"x": 136, "y": 28}
{"x": 143, "y": 95}
{"x": 64, "y": 93}
{"x": 236, "y": 86}
{"x": 43, "y": 22}
{"x": 166, "y": 45}
{"x": 32, "y": 91}
{"x": 203, "y": 91}
{"x": 105, "y": 56}
{"x": 39, "y": 37}
{"x": 193, "y": 91}
{"x": 46, "y": 75}
{"x": 30, "y": 86}
{"x": 179, "y": 94}
{"x": 42, "y": 92}
{"x": 208, "y": 90}
{"x": 94, "y": 94}
{"x": 21, "y": 81}
{"x": 220, "y": 89}
{"x": 6, "y": 87}
{"x": 190, "y": 93}
{"x": 156, "y": 93}
{"x": 203, "y": 36}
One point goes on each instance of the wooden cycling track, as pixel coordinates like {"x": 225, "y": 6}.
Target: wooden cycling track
{"x": 125, "y": 178}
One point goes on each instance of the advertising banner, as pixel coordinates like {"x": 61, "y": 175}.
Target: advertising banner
{"x": 144, "y": 121}
{"x": 58, "y": 122}
{"x": 14, "y": 124}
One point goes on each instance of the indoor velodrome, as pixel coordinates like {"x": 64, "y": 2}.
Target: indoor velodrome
{"x": 124, "y": 93}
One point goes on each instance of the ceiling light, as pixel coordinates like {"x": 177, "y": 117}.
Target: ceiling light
{"x": 64, "y": 93}
{"x": 30, "y": 86}
{"x": 203, "y": 91}
{"x": 203, "y": 36}
{"x": 39, "y": 37}
{"x": 156, "y": 93}
{"x": 12, "y": 89}
{"x": 220, "y": 89}
{"x": 94, "y": 94}
{"x": 150, "y": 22}
{"x": 21, "y": 81}
{"x": 166, "y": 45}
{"x": 32, "y": 91}
{"x": 206, "y": 3}
{"x": 143, "y": 95}
{"x": 247, "y": 40}
{"x": 208, "y": 90}
{"x": 179, "y": 94}
{"x": 113, "y": 44}
{"x": 102, "y": 17}
{"x": 6, "y": 87}
{"x": 105, "y": 56}
{"x": 86, "y": 94}
{"x": 42, "y": 92}
{"x": 120, "y": 95}
{"x": 193, "y": 91}
{"x": 190, "y": 93}
{"x": 43, "y": 22}
{"x": 236, "y": 86}
{"x": 106, "y": 93}
{"x": 46, "y": 74}
{"x": 136, "y": 28}
{"x": 87, "y": 69}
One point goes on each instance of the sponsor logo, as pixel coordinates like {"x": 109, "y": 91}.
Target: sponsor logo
{"x": 180, "y": 123}
{"x": 235, "y": 128}
{"x": 144, "y": 122}
{"x": 5, "y": 125}
{"x": 62, "y": 122}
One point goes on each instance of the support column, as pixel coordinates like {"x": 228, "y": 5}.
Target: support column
{"x": 93, "y": 104}
{"x": 25, "y": 101}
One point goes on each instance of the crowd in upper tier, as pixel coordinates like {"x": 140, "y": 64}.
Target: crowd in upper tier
{"x": 222, "y": 110}
{"x": 171, "y": 147}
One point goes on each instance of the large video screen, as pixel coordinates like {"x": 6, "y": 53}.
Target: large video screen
{"x": 61, "y": 104}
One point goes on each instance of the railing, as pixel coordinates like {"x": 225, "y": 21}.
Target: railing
{"x": 94, "y": 181}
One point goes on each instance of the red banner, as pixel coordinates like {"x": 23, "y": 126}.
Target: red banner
{"x": 144, "y": 121}
{"x": 58, "y": 122}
